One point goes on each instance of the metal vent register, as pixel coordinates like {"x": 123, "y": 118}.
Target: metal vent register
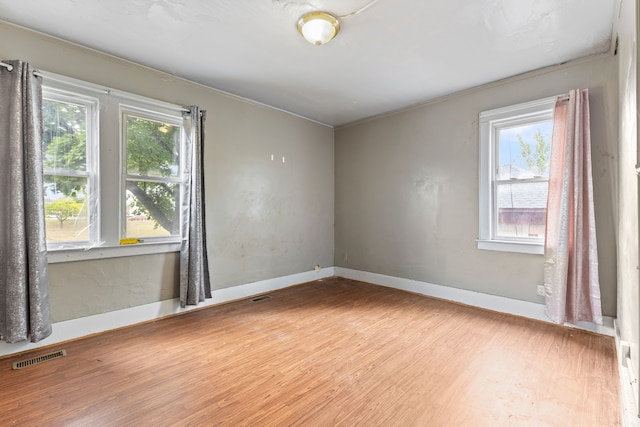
{"x": 260, "y": 298}
{"x": 39, "y": 359}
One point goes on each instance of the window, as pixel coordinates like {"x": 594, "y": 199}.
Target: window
{"x": 515, "y": 147}
{"x": 70, "y": 169}
{"x": 152, "y": 144}
{"x": 112, "y": 169}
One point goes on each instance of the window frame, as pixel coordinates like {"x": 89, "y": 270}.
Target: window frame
{"x": 108, "y": 162}
{"x": 58, "y": 93}
{"x": 490, "y": 122}
{"x": 160, "y": 115}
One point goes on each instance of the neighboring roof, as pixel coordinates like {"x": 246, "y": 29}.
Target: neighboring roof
{"x": 523, "y": 195}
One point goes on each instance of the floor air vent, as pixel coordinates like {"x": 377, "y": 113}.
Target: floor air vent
{"x": 38, "y": 359}
{"x": 262, "y": 298}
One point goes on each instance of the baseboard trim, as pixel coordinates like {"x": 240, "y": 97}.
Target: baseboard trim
{"x": 84, "y": 326}
{"x": 526, "y": 309}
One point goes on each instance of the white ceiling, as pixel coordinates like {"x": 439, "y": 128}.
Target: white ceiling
{"x": 394, "y": 54}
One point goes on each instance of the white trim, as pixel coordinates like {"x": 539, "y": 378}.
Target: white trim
{"x": 77, "y": 328}
{"x": 530, "y": 108}
{"x": 500, "y": 304}
{"x": 628, "y": 415}
{"x": 525, "y": 248}
{"x": 101, "y": 252}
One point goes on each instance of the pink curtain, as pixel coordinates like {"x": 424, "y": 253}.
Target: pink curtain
{"x": 571, "y": 254}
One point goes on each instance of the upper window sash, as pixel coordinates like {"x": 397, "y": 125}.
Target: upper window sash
{"x": 91, "y": 104}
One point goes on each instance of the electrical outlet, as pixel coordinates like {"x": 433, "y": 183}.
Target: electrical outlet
{"x": 541, "y": 290}
{"x": 625, "y": 351}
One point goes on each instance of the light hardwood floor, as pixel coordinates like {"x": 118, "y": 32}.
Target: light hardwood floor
{"x": 331, "y": 352}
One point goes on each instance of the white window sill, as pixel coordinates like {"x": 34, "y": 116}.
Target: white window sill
{"x": 504, "y": 246}
{"x": 102, "y": 252}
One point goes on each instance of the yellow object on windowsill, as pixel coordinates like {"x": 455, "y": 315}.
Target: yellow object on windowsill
{"x": 130, "y": 241}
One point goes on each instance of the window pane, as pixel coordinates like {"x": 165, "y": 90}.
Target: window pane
{"x": 65, "y": 135}
{"x": 66, "y": 209}
{"x": 524, "y": 150}
{"x": 152, "y": 148}
{"x": 152, "y": 209}
{"x": 521, "y": 209}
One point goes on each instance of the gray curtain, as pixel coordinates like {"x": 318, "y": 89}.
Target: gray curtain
{"x": 194, "y": 264}
{"x": 24, "y": 291}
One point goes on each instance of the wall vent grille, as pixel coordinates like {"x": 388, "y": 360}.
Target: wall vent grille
{"x": 261, "y": 298}
{"x": 38, "y": 359}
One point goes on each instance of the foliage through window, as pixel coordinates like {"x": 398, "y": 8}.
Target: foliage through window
{"x": 153, "y": 174}
{"x": 69, "y": 168}
{"x": 514, "y": 174}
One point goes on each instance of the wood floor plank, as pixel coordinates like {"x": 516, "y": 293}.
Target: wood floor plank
{"x": 333, "y": 352}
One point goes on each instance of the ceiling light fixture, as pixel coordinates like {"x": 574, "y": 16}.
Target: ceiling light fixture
{"x": 321, "y": 27}
{"x": 318, "y": 27}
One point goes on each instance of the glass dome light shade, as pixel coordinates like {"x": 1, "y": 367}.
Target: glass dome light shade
{"x": 318, "y": 27}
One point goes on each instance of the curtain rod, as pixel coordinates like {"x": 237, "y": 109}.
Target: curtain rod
{"x": 100, "y": 89}
{"x": 107, "y": 91}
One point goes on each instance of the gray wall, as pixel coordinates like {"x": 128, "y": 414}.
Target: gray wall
{"x": 628, "y": 296}
{"x": 407, "y": 187}
{"x": 265, "y": 218}
{"x": 82, "y": 288}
